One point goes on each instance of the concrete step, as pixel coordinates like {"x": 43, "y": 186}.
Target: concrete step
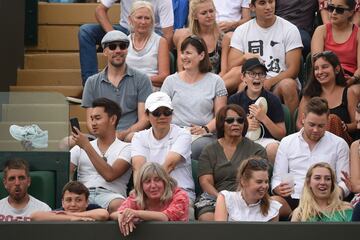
{"x": 49, "y": 77}
{"x": 56, "y": 38}
{"x": 35, "y": 112}
{"x": 65, "y": 90}
{"x": 74, "y": 13}
{"x": 13, "y": 145}
{"x": 53, "y": 60}
{"x": 35, "y": 98}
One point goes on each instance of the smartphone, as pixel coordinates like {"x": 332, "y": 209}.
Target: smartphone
{"x": 74, "y": 123}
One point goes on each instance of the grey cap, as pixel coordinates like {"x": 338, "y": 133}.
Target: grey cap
{"x": 114, "y": 36}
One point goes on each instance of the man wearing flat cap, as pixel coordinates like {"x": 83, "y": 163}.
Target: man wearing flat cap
{"x": 90, "y": 34}
{"x": 119, "y": 82}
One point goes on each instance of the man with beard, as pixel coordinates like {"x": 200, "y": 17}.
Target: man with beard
{"x": 119, "y": 82}
{"x": 298, "y": 151}
{"x": 19, "y": 205}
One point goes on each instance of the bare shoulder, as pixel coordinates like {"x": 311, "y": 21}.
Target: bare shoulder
{"x": 180, "y": 34}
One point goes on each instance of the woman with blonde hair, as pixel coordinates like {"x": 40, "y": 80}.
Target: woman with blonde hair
{"x": 156, "y": 197}
{"x": 320, "y": 200}
{"x": 251, "y": 202}
{"x": 148, "y": 51}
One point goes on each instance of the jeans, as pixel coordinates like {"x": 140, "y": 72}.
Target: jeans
{"x": 89, "y": 36}
{"x": 306, "y": 41}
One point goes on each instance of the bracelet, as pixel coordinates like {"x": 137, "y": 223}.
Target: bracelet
{"x": 206, "y": 128}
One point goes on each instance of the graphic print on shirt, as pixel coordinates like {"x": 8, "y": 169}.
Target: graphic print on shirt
{"x": 257, "y": 47}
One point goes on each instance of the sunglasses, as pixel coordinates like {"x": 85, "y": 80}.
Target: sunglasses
{"x": 338, "y": 10}
{"x": 322, "y": 54}
{"x": 122, "y": 45}
{"x": 256, "y": 74}
{"x": 230, "y": 120}
{"x": 158, "y": 112}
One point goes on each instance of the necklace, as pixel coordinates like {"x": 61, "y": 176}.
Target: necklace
{"x": 139, "y": 48}
{"x": 102, "y": 153}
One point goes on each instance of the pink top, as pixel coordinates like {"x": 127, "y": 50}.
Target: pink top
{"x": 346, "y": 51}
{"x": 177, "y": 209}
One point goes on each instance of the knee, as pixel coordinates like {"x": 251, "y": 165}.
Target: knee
{"x": 114, "y": 205}
{"x": 271, "y": 150}
{"x": 288, "y": 85}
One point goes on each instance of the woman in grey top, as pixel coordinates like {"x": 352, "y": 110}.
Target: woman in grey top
{"x": 196, "y": 93}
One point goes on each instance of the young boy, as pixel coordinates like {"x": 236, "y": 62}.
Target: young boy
{"x": 75, "y": 206}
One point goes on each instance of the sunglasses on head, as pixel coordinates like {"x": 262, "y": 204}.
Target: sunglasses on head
{"x": 166, "y": 112}
{"x": 338, "y": 10}
{"x": 230, "y": 120}
{"x": 122, "y": 45}
{"x": 322, "y": 54}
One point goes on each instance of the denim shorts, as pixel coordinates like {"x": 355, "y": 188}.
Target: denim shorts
{"x": 102, "y": 196}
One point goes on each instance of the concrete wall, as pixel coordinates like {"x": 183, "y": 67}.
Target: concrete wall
{"x": 12, "y": 18}
{"x": 181, "y": 231}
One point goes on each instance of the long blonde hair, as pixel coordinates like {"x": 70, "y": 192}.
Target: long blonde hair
{"x": 308, "y": 207}
{"x": 147, "y": 171}
{"x": 194, "y": 26}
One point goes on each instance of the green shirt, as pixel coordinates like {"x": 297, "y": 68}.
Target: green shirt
{"x": 338, "y": 216}
{"x": 213, "y": 161}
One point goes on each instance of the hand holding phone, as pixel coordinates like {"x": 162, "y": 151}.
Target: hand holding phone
{"x": 74, "y": 123}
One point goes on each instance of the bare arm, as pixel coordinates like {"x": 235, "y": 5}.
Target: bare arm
{"x": 352, "y": 102}
{"x": 277, "y": 130}
{"x": 225, "y": 48}
{"x": 207, "y": 184}
{"x": 179, "y": 37}
{"x": 163, "y": 64}
{"x": 226, "y": 26}
{"x": 102, "y": 17}
{"x": 237, "y": 57}
{"x": 172, "y": 159}
{"x": 137, "y": 162}
{"x": 301, "y": 109}
{"x": 295, "y": 216}
{"x": 141, "y": 124}
{"x": 99, "y": 214}
{"x": 221, "y": 213}
{"x": 355, "y": 166}
{"x": 323, "y": 11}
{"x": 318, "y": 40}
{"x": 96, "y": 214}
{"x": 72, "y": 170}
{"x": 168, "y": 33}
{"x": 219, "y": 102}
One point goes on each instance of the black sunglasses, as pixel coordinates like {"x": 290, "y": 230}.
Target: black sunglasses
{"x": 122, "y": 45}
{"x": 158, "y": 112}
{"x": 230, "y": 120}
{"x": 338, "y": 10}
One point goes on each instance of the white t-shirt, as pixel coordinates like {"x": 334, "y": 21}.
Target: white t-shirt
{"x": 295, "y": 157}
{"x": 8, "y": 213}
{"x": 271, "y": 43}
{"x": 229, "y": 10}
{"x": 163, "y": 11}
{"x": 145, "y": 60}
{"x": 239, "y": 210}
{"x": 193, "y": 102}
{"x": 89, "y": 176}
{"x": 178, "y": 140}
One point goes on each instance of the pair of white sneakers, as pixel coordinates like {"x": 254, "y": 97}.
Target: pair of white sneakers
{"x": 30, "y": 135}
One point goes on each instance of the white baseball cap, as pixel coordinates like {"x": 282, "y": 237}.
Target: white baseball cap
{"x": 156, "y": 100}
